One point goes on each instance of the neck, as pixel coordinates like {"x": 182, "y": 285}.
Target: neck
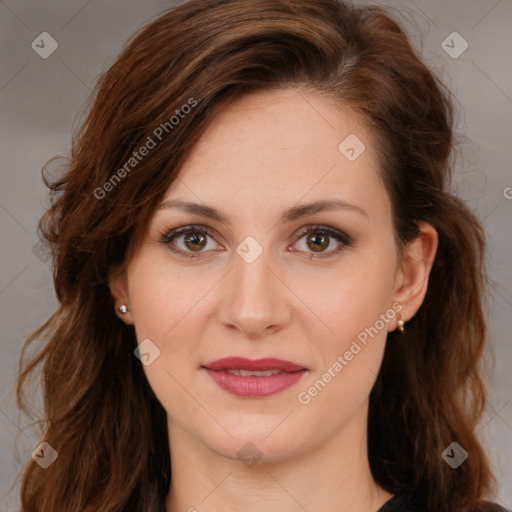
{"x": 335, "y": 477}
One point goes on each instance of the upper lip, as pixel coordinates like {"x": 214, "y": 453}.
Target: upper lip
{"x": 241, "y": 363}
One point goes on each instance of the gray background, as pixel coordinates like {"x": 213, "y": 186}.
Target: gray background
{"x": 41, "y": 102}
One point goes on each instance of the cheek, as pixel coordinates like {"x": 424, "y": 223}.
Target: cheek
{"x": 162, "y": 295}
{"x": 165, "y": 301}
{"x": 171, "y": 305}
{"x": 358, "y": 312}
{"x": 353, "y": 300}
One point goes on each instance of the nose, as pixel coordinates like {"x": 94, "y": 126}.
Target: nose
{"x": 255, "y": 298}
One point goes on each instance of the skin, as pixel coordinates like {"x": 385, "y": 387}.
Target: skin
{"x": 262, "y": 154}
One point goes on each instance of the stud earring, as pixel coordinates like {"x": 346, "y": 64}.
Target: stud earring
{"x": 122, "y": 309}
{"x": 400, "y": 323}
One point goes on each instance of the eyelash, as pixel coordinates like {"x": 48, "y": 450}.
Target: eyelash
{"x": 167, "y": 238}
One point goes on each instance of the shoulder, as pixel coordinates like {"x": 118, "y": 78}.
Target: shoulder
{"x": 400, "y": 503}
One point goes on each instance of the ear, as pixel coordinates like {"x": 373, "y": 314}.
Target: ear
{"x": 413, "y": 270}
{"x": 119, "y": 291}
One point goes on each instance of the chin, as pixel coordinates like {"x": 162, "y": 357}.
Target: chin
{"x": 257, "y": 444}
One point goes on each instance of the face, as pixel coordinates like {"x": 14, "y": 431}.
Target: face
{"x": 254, "y": 284}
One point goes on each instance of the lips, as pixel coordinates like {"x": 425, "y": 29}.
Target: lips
{"x": 266, "y": 364}
{"x": 254, "y": 378}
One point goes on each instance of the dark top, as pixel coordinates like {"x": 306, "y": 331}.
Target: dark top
{"x": 404, "y": 503}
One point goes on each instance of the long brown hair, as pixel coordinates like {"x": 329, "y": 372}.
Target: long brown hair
{"x": 101, "y": 416}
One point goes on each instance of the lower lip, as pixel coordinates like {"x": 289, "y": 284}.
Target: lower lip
{"x": 252, "y": 386}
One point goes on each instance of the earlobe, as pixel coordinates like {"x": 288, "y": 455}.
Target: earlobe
{"x": 119, "y": 291}
{"x": 414, "y": 270}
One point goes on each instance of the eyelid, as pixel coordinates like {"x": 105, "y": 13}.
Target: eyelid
{"x": 331, "y": 231}
{"x": 168, "y": 236}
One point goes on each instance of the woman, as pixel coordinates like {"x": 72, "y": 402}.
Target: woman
{"x": 268, "y": 297}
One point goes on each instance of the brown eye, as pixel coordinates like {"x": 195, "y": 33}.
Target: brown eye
{"x": 317, "y": 242}
{"x": 314, "y": 240}
{"x": 190, "y": 241}
{"x": 195, "y": 241}
{"x": 322, "y": 241}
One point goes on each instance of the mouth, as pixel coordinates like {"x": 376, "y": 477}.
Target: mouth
{"x": 254, "y": 378}
{"x": 254, "y": 365}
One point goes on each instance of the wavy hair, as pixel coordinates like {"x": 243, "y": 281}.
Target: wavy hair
{"x": 100, "y": 414}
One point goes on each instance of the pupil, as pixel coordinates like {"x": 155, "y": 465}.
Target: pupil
{"x": 316, "y": 237}
{"x": 193, "y": 240}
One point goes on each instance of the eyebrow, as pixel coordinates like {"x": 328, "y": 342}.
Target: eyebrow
{"x": 291, "y": 214}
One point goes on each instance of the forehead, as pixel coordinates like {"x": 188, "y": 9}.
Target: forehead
{"x": 280, "y": 146}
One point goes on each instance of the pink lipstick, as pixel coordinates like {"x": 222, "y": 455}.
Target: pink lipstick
{"x": 254, "y": 378}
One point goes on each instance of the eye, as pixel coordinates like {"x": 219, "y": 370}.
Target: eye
{"x": 318, "y": 239}
{"x": 194, "y": 239}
